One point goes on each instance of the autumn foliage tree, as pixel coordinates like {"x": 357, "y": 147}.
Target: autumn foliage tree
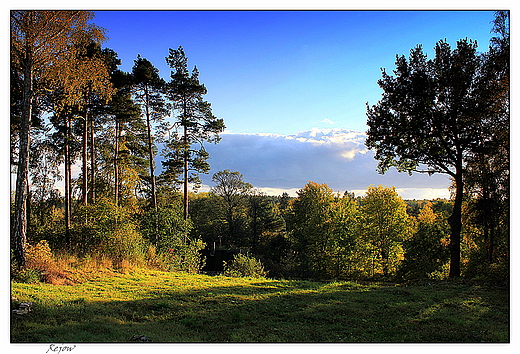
{"x": 40, "y": 52}
{"x": 426, "y": 251}
{"x": 385, "y": 226}
{"x": 323, "y": 228}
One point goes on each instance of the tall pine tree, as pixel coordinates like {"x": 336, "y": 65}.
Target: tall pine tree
{"x": 195, "y": 124}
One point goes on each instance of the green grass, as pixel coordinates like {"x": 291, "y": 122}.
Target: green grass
{"x": 177, "y": 307}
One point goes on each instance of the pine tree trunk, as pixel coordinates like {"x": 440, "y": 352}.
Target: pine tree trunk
{"x": 150, "y": 153}
{"x": 67, "y": 181}
{"x": 152, "y": 168}
{"x": 91, "y": 187}
{"x": 84, "y": 168}
{"x": 22, "y": 177}
{"x": 185, "y": 198}
{"x": 116, "y": 165}
{"x": 92, "y": 164}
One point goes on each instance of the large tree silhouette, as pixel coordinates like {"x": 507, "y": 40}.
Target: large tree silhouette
{"x": 433, "y": 116}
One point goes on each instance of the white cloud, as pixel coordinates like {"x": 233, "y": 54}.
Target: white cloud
{"x": 292, "y": 192}
{"x": 276, "y": 163}
{"x": 423, "y": 193}
{"x": 327, "y": 120}
{"x": 338, "y": 157}
{"x": 414, "y": 193}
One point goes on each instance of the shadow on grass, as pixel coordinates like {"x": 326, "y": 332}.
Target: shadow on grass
{"x": 289, "y": 312}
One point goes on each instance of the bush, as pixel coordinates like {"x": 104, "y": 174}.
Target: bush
{"x": 244, "y": 265}
{"x": 165, "y": 228}
{"x": 108, "y": 230}
{"x": 479, "y": 269}
{"x": 123, "y": 244}
{"x": 153, "y": 259}
{"x": 40, "y": 258}
{"x": 40, "y": 264}
{"x": 29, "y": 276}
{"x": 183, "y": 256}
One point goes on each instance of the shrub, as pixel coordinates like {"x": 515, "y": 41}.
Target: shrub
{"x": 40, "y": 258}
{"x": 123, "y": 244}
{"x": 165, "y": 228}
{"x": 183, "y": 256}
{"x": 40, "y": 264}
{"x": 244, "y": 265}
{"x": 108, "y": 230}
{"x": 153, "y": 259}
{"x": 29, "y": 276}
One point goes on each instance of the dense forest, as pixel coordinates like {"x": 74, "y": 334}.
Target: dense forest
{"x": 72, "y": 107}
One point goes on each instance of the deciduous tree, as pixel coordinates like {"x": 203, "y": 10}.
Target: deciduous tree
{"x": 432, "y": 116}
{"x": 426, "y": 251}
{"x": 40, "y": 44}
{"x": 232, "y": 190}
{"x": 487, "y": 177}
{"x": 385, "y": 225}
{"x": 323, "y": 227}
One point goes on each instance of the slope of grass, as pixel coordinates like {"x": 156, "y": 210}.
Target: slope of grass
{"x": 178, "y": 307}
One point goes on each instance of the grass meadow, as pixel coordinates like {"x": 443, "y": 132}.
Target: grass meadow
{"x": 184, "y": 308}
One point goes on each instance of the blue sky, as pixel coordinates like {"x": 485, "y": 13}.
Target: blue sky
{"x": 286, "y": 71}
{"x": 280, "y": 79}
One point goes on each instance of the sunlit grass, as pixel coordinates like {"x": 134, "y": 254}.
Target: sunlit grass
{"x": 177, "y": 307}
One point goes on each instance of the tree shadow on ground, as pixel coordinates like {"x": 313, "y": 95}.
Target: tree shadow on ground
{"x": 278, "y": 312}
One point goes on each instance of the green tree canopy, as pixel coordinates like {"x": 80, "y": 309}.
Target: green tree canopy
{"x": 434, "y": 115}
{"x": 386, "y": 225}
{"x": 232, "y": 190}
{"x": 195, "y": 124}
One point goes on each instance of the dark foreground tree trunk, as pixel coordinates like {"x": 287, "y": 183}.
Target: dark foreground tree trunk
{"x": 455, "y": 221}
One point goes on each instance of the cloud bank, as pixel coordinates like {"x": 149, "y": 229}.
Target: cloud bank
{"x": 338, "y": 157}
{"x": 276, "y": 163}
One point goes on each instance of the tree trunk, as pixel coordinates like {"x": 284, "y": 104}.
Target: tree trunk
{"x": 92, "y": 164}
{"x": 67, "y": 181}
{"x": 185, "y": 199}
{"x": 455, "y": 221}
{"x": 116, "y": 165}
{"x": 22, "y": 176}
{"x": 152, "y": 167}
{"x": 150, "y": 152}
{"x": 384, "y": 260}
{"x": 92, "y": 186}
{"x": 84, "y": 167}
{"x": 490, "y": 246}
